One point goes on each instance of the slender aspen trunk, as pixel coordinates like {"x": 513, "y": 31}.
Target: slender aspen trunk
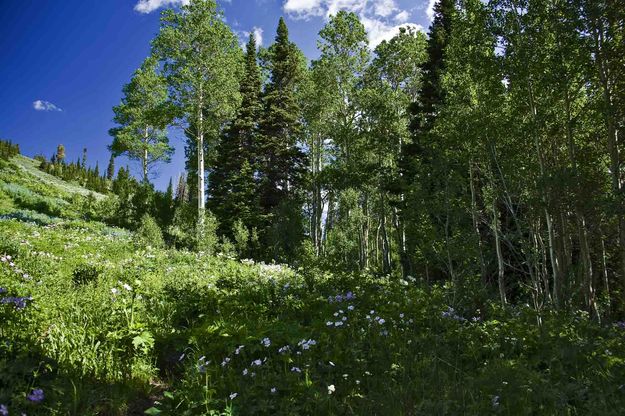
{"x": 386, "y": 250}
{"x": 144, "y": 160}
{"x": 201, "y": 203}
{"x": 500, "y": 263}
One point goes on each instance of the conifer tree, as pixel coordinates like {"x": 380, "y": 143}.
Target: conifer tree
{"x": 110, "y": 170}
{"x": 231, "y": 183}
{"x": 282, "y": 162}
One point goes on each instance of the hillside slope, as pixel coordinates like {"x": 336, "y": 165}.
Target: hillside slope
{"x": 95, "y": 322}
{"x": 26, "y": 190}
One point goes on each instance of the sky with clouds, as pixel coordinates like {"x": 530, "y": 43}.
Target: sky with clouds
{"x": 63, "y": 62}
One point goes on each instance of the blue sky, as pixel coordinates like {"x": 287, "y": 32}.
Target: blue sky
{"x": 63, "y": 62}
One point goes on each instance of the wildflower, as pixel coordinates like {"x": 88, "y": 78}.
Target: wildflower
{"x": 338, "y": 298}
{"x": 350, "y": 308}
{"x": 381, "y": 321}
{"x": 284, "y": 349}
{"x": 127, "y": 287}
{"x": 341, "y": 311}
{"x": 256, "y": 363}
{"x": 36, "y": 396}
{"x": 331, "y": 389}
{"x": 349, "y": 296}
{"x": 273, "y": 390}
{"x": 330, "y": 299}
{"x": 336, "y": 314}
{"x": 244, "y": 372}
{"x": 2, "y": 290}
{"x": 233, "y": 396}
{"x": 344, "y": 318}
{"x": 329, "y": 323}
{"x": 371, "y": 312}
{"x": 296, "y": 370}
{"x": 114, "y": 291}
{"x": 238, "y": 350}
{"x": 4, "y": 410}
{"x": 401, "y": 316}
{"x": 495, "y": 401}
{"x": 225, "y": 361}
{"x": 620, "y": 324}
{"x": 331, "y": 363}
{"x": 338, "y": 323}
{"x": 266, "y": 342}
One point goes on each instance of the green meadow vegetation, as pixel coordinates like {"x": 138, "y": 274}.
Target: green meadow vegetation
{"x": 97, "y": 320}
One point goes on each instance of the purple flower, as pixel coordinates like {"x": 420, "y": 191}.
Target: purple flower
{"x": 338, "y": 298}
{"x": 36, "y": 396}
{"x": 349, "y": 296}
{"x": 4, "y": 410}
{"x": 2, "y": 290}
{"x": 620, "y": 324}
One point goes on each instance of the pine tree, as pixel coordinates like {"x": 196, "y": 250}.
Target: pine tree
{"x": 232, "y": 183}
{"x": 110, "y": 170}
{"x": 282, "y": 163}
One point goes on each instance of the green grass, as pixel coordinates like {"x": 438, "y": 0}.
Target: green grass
{"x": 114, "y": 327}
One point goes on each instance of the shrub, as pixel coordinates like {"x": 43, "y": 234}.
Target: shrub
{"x": 149, "y": 233}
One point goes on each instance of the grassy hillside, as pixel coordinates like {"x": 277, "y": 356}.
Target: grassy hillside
{"x": 26, "y": 190}
{"x": 94, "y": 322}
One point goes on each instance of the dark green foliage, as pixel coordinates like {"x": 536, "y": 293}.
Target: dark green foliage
{"x": 8, "y": 149}
{"x": 149, "y": 233}
{"x": 232, "y": 184}
{"x": 281, "y": 161}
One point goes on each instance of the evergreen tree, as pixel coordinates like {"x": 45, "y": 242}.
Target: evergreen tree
{"x": 231, "y": 183}
{"x": 282, "y": 162}
{"x": 110, "y": 170}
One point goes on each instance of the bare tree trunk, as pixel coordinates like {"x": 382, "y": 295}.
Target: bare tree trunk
{"x": 201, "y": 203}
{"x": 386, "y": 250}
{"x": 144, "y": 160}
{"x": 500, "y": 263}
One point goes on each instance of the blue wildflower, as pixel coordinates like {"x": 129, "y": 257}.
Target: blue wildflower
{"x": 4, "y": 410}
{"x": 36, "y": 396}
{"x": 2, "y": 290}
{"x": 349, "y": 296}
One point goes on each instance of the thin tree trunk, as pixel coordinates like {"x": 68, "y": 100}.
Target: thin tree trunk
{"x": 145, "y": 155}
{"x": 500, "y": 263}
{"x": 201, "y": 203}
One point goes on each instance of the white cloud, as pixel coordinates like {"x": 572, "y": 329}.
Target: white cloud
{"x": 430, "y": 10}
{"x": 381, "y": 18}
{"x": 380, "y": 31}
{"x": 385, "y": 8}
{"x": 304, "y": 9}
{"x": 258, "y": 35}
{"x": 148, "y": 6}
{"x": 41, "y": 105}
{"x": 402, "y": 17}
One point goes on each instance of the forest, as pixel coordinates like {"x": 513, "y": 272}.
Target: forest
{"x": 485, "y": 153}
{"x": 464, "y": 186}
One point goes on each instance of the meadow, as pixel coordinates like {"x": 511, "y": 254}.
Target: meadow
{"x": 96, "y": 321}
